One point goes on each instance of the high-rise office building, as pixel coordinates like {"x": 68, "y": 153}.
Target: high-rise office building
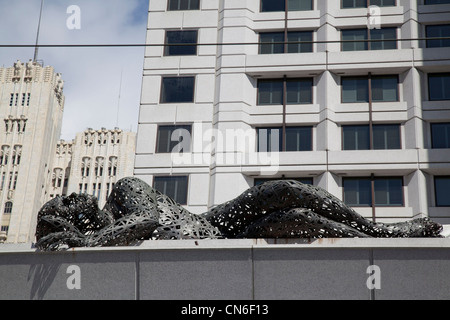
{"x": 31, "y": 107}
{"x": 354, "y": 95}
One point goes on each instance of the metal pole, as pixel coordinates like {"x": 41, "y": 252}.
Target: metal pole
{"x": 37, "y": 34}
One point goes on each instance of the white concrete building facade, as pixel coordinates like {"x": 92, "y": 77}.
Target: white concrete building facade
{"x": 31, "y": 107}
{"x": 356, "y": 101}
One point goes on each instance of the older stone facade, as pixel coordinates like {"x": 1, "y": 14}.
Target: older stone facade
{"x": 92, "y": 163}
{"x": 31, "y": 107}
{"x": 35, "y": 165}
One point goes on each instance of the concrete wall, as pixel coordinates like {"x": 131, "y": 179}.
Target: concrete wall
{"x": 232, "y": 270}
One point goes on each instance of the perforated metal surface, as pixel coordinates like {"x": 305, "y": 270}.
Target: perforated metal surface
{"x": 276, "y": 209}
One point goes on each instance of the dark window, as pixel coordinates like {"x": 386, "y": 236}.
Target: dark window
{"x": 438, "y": 31}
{"x": 297, "y": 139}
{"x": 442, "y": 190}
{"x": 279, "y": 5}
{"x": 347, "y": 4}
{"x": 178, "y": 43}
{"x": 177, "y": 89}
{"x": 270, "y": 92}
{"x": 8, "y": 208}
{"x": 385, "y": 137}
{"x": 273, "y": 42}
{"x": 298, "y": 91}
{"x": 437, "y": 2}
{"x": 383, "y": 3}
{"x": 356, "y": 89}
{"x": 357, "y": 192}
{"x": 356, "y": 137}
{"x": 173, "y": 187}
{"x": 384, "y": 88}
{"x": 387, "y": 191}
{"x": 440, "y": 135}
{"x": 439, "y": 86}
{"x": 175, "y": 139}
{"x": 380, "y": 39}
{"x": 354, "y": 40}
{"x": 383, "y": 39}
{"x": 302, "y": 180}
{"x": 184, "y": 5}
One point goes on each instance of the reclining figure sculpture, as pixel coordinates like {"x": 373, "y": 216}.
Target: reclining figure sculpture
{"x": 135, "y": 211}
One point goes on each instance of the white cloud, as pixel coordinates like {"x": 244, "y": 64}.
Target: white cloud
{"x": 92, "y": 75}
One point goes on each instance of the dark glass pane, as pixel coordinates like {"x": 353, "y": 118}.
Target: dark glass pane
{"x": 181, "y": 38}
{"x": 299, "y": 139}
{"x": 439, "y": 86}
{"x": 440, "y": 134}
{"x": 436, "y": 2}
{"x": 270, "y": 92}
{"x": 300, "y": 5}
{"x": 354, "y": 35}
{"x": 388, "y": 191}
{"x": 356, "y": 137}
{"x": 184, "y": 5}
{"x": 173, "y": 187}
{"x": 386, "y": 137}
{"x": 442, "y": 187}
{"x": 269, "y": 139}
{"x": 299, "y": 91}
{"x": 272, "y": 5}
{"x": 177, "y": 89}
{"x": 357, "y": 192}
{"x": 384, "y": 88}
{"x": 383, "y": 34}
{"x": 299, "y": 37}
{"x": 439, "y": 31}
{"x": 173, "y": 139}
{"x": 271, "y": 43}
{"x": 355, "y": 89}
{"x": 347, "y": 4}
{"x": 382, "y": 3}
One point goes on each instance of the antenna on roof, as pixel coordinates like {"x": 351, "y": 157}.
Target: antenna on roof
{"x": 118, "y": 100}
{"x": 37, "y": 34}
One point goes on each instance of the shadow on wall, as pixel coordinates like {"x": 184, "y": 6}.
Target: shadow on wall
{"x": 42, "y": 275}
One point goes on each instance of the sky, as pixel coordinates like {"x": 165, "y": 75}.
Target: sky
{"x": 102, "y": 85}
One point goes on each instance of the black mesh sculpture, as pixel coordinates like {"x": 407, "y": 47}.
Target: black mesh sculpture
{"x": 277, "y": 209}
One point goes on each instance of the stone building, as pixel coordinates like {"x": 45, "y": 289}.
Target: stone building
{"x": 352, "y": 98}
{"x": 35, "y": 165}
{"x": 92, "y": 163}
{"x": 31, "y": 107}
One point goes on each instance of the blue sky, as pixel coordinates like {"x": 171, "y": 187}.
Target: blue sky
{"x": 92, "y": 75}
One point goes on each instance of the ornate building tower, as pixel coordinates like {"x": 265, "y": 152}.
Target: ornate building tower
{"x": 31, "y": 107}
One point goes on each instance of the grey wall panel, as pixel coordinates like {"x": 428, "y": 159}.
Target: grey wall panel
{"x": 196, "y": 274}
{"x": 311, "y": 274}
{"x": 103, "y": 275}
{"x": 413, "y": 273}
